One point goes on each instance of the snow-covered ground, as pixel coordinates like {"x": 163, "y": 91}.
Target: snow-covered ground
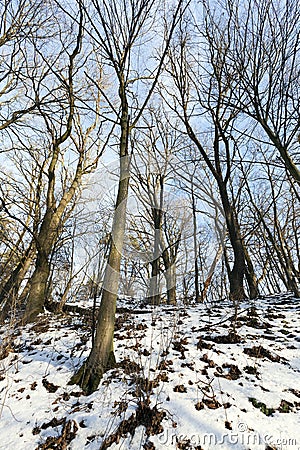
{"x": 187, "y": 378}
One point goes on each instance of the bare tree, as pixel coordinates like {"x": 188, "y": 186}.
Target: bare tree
{"x": 275, "y": 209}
{"x": 68, "y": 130}
{"x": 193, "y": 178}
{"x": 155, "y": 147}
{"x": 204, "y": 105}
{"x": 261, "y": 57}
{"x": 20, "y": 193}
{"x": 19, "y": 22}
{"x": 58, "y": 141}
{"x": 119, "y": 29}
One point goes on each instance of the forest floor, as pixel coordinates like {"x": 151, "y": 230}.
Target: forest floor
{"x": 194, "y": 377}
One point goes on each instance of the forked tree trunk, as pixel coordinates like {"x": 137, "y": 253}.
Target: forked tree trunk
{"x": 52, "y": 220}
{"x": 50, "y": 230}
{"x": 39, "y": 280}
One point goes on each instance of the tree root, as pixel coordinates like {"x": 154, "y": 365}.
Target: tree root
{"x": 90, "y": 374}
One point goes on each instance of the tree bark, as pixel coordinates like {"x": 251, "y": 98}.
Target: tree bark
{"x": 10, "y": 290}
{"x": 102, "y": 357}
{"x": 237, "y": 273}
{"x": 250, "y": 276}
{"x": 39, "y": 280}
{"x": 54, "y": 216}
{"x": 198, "y": 296}
{"x": 211, "y": 272}
{"x": 38, "y": 287}
{"x": 170, "y": 275}
{"x": 154, "y": 287}
{"x": 154, "y": 296}
{"x": 169, "y": 258}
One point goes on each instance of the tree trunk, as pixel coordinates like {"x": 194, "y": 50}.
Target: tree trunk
{"x": 251, "y": 276}
{"x": 170, "y": 275}
{"x": 39, "y": 280}
{"x": 196, "y": 268}
{"x": 64, "y": 296}
{"x": 50, "y": 229}
{"x": 237, "y": 273}
{"x": 10, "y": 290}
{"x": 154, "y": 297}
{"x": 38, "y": 288}
{"x": 289, "y": 275}
{"x": 102, "y": 357}
{"x": 207, "y": 282}
{"x": 169, "y": 255}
